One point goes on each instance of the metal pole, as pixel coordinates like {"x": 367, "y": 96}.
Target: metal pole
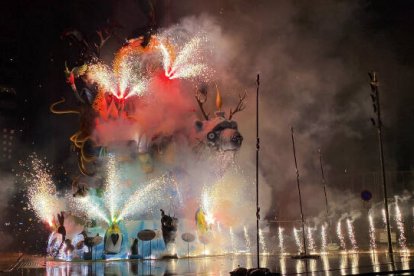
{"x": 300, "y": 196}
{"x": 257, "y": 171}
{"x": 374, "y": 88}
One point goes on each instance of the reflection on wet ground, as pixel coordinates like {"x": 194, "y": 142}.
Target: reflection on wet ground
{"x": 339, "y": 264}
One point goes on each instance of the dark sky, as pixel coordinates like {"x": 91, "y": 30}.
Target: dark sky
{"x": 362, "y": 36}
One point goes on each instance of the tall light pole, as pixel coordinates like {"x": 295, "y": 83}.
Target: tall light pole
{"x": 257, "y": 171}
{"x": 375, "y": 96}
{"x": 324, "y": 184}
{"x": 300, "y": 196}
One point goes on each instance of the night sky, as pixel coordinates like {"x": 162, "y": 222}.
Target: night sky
{"x": 33, "y": 52}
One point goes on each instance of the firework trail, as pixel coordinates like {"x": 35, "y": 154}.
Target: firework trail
{"x": 400, "y": 225}
{"x": 297, "y": 239}
{"x": 372, "y": 242}
{"x": 323, "y": 238}
{"x": 247, "y": 239}
{"x": 281, "y": 240}
{"x": 43, "y": 199}
{"x": 341, "y": 237}
{"x": 351, "y": 234}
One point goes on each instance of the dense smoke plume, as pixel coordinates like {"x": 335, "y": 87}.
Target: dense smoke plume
{"x": 313, "y": 59}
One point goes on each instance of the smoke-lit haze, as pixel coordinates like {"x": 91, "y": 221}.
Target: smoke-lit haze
{"x": 313, "y": 58}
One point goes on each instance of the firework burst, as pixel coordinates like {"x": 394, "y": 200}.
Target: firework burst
{"x": 126, "y": 82}
{"x": 187, "y": 63}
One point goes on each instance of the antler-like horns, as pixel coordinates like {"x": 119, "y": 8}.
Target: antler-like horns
{"x": 240, "y": 106}
{"x": 201, "y": 98}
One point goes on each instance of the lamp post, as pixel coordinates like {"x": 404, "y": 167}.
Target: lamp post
{"x": 375, "y": 96}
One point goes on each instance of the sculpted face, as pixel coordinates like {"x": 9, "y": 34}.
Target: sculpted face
{"x": 219, "y": 133}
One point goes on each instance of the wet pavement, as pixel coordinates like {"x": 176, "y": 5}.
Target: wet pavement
{"x": 8, "y": 261}
{"x": 332, "y": 264}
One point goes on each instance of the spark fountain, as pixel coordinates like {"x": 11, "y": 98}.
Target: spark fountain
{"x": 141, "y": 147}
{"x": 247, "y": 240}
{"x": 323, "y": 239}
{"x": 351, "y": 235}
{"x": 299, "y": 243}
{"x": 402, "y": 241}
{"x": 311, "y": 241}
{"x": 281, "y": 240}
{"x": 340, "y": 235}
{"x": 372, "y": 240}
{"x": 262, "y": 242}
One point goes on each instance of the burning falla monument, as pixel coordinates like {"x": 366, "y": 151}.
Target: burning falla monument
{"x": 141, "y": 148}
